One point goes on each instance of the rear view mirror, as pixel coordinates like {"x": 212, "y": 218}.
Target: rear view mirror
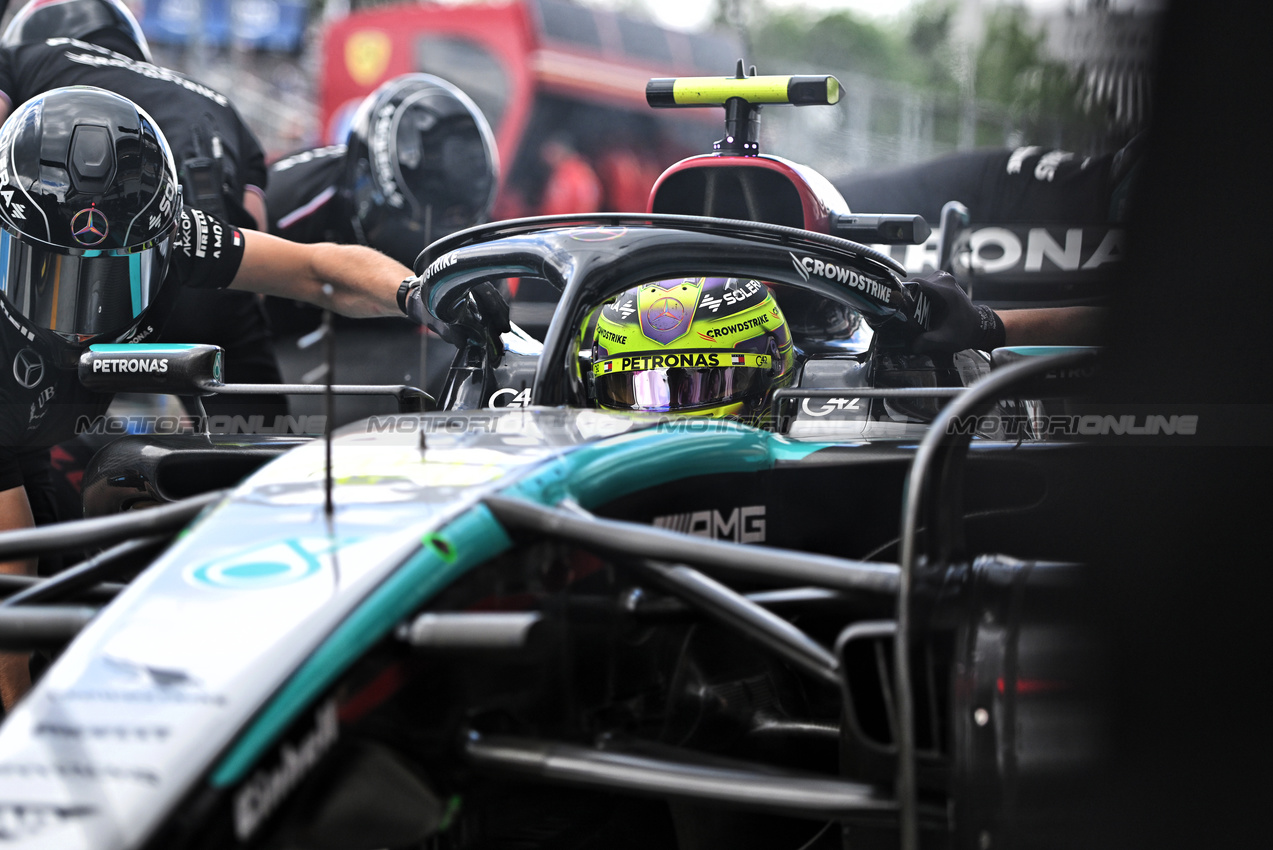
{"x": 182, "y": 370}
{"x": 194, "y": 370}
{"x": 874, "y": 229}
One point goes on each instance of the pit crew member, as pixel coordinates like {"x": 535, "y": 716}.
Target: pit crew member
{"x": 54, "y": 43}
{"x": 95, "y": 244}
{"x": 1027, "y": 184}
{"x": 419, "y": 163}
{"x": 1023, "y": 184}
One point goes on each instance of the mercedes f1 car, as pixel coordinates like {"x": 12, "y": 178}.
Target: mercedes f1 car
{"x": 522, "y": 620}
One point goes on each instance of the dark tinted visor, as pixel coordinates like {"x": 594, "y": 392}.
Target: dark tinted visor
{"x": 680, "y": 389}
{"x": 79, "y": 295}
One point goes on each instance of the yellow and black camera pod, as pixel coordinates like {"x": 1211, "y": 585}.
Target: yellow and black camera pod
{"x": 742, "y": 96}
{"x": 798, "y": 90}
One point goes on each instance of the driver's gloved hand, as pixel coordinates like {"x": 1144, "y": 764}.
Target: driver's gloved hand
{"x": 485, "y": 300}
{"x": 954, "y": 322}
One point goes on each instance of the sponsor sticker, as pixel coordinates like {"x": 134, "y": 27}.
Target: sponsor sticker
{"x": 131, "y": 364}
{"x": 443, "y": 262}
{"x": 741, "y": 525}
{"x": 509, "y": 397}
{"x": 611, "y": 336}
{"x": 268, "y": 787}
{"x": 738, "y": 327}
{"x": 830, "y": 405}
{"x": 843, "y": 275}
{"x": 681, "y": 360}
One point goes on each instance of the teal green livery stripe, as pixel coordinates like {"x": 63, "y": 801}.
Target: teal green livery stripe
{"x": 593, "y": 474}
{"x": 1046, "y": 350}
{"x": 140, "y": 347}
{"x": 600, "y": 472}
{"x": 475, "y": 537}
{"x": 134, "y": 281}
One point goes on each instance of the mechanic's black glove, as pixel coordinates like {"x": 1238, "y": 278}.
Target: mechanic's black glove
{"x": 490, "y": 307}
{"x": 954, "y": 322}
{"x": 411, "y": 301}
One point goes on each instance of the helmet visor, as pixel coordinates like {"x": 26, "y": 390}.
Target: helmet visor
{"x": 679, "y": 388}
{"x": 79, "y": 296}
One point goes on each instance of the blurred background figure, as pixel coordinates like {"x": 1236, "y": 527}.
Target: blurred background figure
{"x": 221, "y": 164}
{"x": 53, "y": 43}
{"x": 571, "y": 184}
{"x": 419, "y": 163}
{"x": 1028, "y": 183}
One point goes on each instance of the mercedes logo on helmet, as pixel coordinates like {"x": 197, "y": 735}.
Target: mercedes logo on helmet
{"x": 666, "y": 314}
{"x": 28, "y": 368}
{"x": 89, "y": 227}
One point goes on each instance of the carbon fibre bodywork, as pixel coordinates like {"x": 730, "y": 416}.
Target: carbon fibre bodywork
{"x": 267, "y": 646}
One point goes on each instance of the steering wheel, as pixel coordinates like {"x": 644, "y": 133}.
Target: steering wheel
{"x": 591, "y": 258}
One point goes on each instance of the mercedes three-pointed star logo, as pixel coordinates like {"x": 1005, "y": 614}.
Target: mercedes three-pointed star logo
{"x": 89, "y": 227}
{"x": 666, "y": 314}
{"x": 28, "y": 368}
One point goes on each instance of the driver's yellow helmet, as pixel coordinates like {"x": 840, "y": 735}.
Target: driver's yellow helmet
{"x": 707, "y": 346}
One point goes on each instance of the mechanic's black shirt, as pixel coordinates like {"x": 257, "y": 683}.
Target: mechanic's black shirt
{"x": 1026, "y": 184}
{"x": 41, "y": 403}
{"x": 189, "y": 113}
{"x": 303, "y": 197}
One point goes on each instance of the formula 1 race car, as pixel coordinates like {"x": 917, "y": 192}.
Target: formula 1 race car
{"x": 525, "y": 621}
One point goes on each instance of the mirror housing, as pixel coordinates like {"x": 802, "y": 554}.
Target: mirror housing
{"x": 182, "y": 370}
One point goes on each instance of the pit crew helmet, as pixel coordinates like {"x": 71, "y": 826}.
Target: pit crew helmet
{"x": 420, "y": 163}
{"x": 710, "y": 346}
{"x": 89, "y": 206}
{"x": 44, "y": 19}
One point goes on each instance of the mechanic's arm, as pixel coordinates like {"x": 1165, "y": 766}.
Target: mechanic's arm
{"x": 1054, "y": 326}
{"x": 365, "y": 281}
{"x": 15, "y": 670}
{"x": 956, "y": 323}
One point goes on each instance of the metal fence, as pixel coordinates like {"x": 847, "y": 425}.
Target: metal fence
{"x": 879, "y": 124}
{"x": 277, "y": 95}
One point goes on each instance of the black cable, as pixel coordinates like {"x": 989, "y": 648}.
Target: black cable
{"x": 87, "y": 574}
{"x": 99, "y": 594}
{"x": 103, "y": 531}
